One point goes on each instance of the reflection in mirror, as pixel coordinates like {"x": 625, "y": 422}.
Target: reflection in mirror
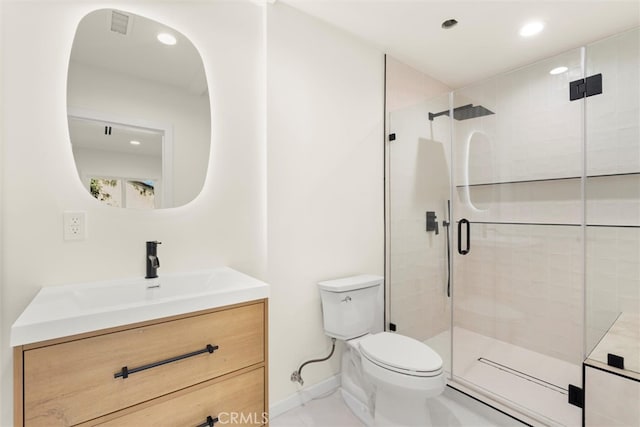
{"x": 120, "y": 165}
{"x": 138, "y": 112}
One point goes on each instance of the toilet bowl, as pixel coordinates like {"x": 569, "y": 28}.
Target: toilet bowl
{"x": 404, "y": 373}
{"x": 386, "y": 377}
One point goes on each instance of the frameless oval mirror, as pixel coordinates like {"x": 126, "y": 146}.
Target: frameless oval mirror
{"x": 138, "y": 111}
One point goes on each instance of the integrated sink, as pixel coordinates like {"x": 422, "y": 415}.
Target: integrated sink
{"x": 142, "y": 291}
{"x": 59, "y": 311}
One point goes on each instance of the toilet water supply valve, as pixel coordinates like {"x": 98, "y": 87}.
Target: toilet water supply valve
{"x": 296, "y": 376}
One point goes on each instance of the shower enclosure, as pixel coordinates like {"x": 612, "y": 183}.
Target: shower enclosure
{"x": 513, "y": 225}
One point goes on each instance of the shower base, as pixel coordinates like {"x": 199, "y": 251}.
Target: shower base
{"x": 530, "y": 382}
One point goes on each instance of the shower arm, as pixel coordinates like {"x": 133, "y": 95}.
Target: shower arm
{"x": 446, "y": 112}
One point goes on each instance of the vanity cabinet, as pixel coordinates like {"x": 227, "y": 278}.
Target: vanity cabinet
{"x": 185, "y": 370}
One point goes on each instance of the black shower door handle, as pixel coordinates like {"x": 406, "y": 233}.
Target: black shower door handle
{"x": 468, "y": 248}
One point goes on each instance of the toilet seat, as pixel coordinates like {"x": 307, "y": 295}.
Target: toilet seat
{"x": 401, "y": 354}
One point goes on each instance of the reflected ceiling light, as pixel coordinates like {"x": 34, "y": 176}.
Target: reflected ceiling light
{"x": 531, "y": 29}
{"x": 558, "y": 70}
{"x": 133, "y": 142}
{"x": 167, "y": 39}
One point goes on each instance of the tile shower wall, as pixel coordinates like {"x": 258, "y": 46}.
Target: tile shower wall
{"x": 535, "y": 133}
{"x": 522, "y": 282}
{"x": 613, "y": 202}
{"x": 419, "y": 182}
{"x": 612, "y": 118}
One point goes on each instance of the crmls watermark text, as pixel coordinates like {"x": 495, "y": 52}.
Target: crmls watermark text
{"x": 243, "y": 418}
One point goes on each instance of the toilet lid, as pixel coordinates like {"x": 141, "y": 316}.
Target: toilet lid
{"x": 400, "y": 352}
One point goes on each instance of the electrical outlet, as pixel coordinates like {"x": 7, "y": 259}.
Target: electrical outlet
{"x": 75, "y": 225}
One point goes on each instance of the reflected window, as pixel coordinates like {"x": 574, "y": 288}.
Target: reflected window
{"x": 124, "y": 193}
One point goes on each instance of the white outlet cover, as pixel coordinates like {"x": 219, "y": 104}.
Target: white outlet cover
{"x": 75, "y": 225}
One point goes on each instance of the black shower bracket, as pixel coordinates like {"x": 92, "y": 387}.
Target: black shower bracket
{"x": 576, "y": 396}
{"x": 615, "y": 361}
{"x": 583, "y": 88}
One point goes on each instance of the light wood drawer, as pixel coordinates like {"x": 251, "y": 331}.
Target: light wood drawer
{"x": 237, "y": 401}
{"x": 73, "y": 382}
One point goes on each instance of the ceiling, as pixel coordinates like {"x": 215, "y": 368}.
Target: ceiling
{"x": 486, "y": 40}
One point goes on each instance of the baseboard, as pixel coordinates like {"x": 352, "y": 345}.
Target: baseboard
{"x": 304, "y": 395}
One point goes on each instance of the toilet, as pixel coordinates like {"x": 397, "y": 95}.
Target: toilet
{"x": 386, "y": 377}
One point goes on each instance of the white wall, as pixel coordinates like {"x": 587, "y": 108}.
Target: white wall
{"x": 224, "y": 226}
{"x": 325, "y": 162}
{"x": 325, "y": 180}
{"x": 408, "y": 87}
{"x": 187, "y": 114}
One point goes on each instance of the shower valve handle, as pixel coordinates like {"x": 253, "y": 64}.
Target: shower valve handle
{"x": 432, "y": 223}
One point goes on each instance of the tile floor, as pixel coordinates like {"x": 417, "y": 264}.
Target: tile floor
{"x": 451, "y": 409}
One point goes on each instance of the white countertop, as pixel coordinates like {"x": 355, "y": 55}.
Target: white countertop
{"x": 65, "y": 310}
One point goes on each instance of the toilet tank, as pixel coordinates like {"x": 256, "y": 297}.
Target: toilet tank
{"x": 352, "y": 306}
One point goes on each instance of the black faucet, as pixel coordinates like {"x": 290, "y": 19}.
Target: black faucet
{"x": 153, "y": 263}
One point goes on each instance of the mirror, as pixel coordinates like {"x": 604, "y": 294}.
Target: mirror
{"x": 138, "y": 112}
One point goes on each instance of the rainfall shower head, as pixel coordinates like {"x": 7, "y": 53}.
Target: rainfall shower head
{"x": 465, "y": 112}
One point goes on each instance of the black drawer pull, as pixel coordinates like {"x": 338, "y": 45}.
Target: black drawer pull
{"x": 209, "y": 423}
{"x": 125, "y": 372}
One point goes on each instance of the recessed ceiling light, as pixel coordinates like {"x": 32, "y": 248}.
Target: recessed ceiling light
{"x": 558, "y": 70}
{"x": 449, "y": 23}
{"x": 531, "y": 29}
{"x": 167, "y": 39}
{"x": 133, "y": 142}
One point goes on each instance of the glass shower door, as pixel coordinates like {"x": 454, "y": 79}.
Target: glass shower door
{"x": 419, "y": 191}
{"x": 518, "y": 227}
{"x": 613, "y": 202}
